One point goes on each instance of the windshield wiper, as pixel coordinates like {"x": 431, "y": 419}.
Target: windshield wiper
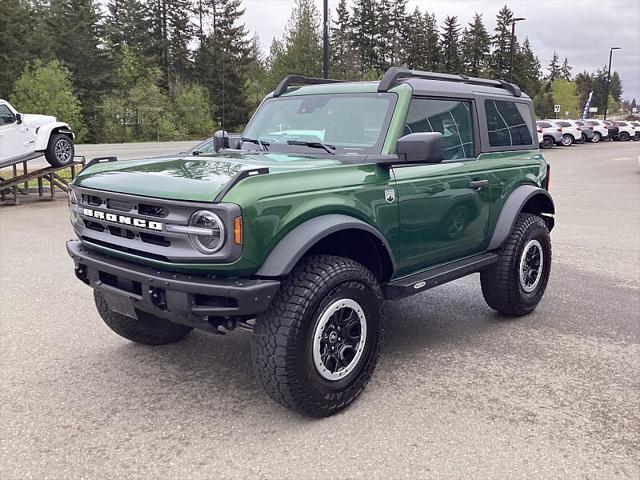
{"x": 328, "y": 148}
{"x": 263, "y": 145}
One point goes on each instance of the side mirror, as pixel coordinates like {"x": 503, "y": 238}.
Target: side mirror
{"x": 220, "y": 140}
{"x": 19, "y": 118}
{"x": 425, "y": 147}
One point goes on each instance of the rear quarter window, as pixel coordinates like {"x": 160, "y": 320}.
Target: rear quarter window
{"x": 508, "y": 123}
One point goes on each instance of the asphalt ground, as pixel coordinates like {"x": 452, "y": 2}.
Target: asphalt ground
{"x": 459, "y": 392}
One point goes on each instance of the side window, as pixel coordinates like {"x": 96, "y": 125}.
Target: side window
{"x": 508, "y": 123}
{"x": 451, "y": 118}
{"x": 6, "y": 115}
{"x": 545, "y": 124}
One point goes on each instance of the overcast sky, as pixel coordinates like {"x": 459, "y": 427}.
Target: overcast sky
{"x": 581, "y": 30}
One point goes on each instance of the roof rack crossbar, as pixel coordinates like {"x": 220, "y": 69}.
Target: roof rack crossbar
{"x": 394, "y": 74}
{"x": 300, "y": 80}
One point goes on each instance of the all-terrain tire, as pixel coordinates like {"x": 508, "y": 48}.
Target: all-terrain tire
{"x": 503, "y": 288}
{"x": 284, "y": 336}
{"x": 60, "y": 150}
{"x": 146, "y": 329}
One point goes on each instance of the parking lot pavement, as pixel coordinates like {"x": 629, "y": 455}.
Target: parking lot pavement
{"x": 459, "y": 392}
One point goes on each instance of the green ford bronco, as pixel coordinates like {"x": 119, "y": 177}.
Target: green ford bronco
{"x": 336, "y": 197}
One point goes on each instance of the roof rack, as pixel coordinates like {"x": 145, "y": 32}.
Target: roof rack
{"x": 300, "y": 80}
{"x": 394, "y": 74}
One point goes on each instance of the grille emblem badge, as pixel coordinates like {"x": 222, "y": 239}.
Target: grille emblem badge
{"x": 122, "y": 219}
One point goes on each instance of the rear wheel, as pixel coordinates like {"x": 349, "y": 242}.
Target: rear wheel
{"x": 60, "y": 151}
{"x": 596, "y": 137}
{"x": 547, "y": 142}
{"x": 515, "y": 284}
{"x": 317, "y": 346}
{"x": 146, "y": 329}
{"x": 567, "y": 140}
{"x": 583, "y": 138}
{"x": 624, "y": 136}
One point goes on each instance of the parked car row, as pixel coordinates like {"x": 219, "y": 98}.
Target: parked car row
{"x": 567, "y": 132}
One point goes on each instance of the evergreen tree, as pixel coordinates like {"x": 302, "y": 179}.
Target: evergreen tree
{"x": 501, "y": 43}
{"x": 344, "y": 58}
{"x": 171, "y": 33}
{"x": 451, "y": 61}
{"x": 526, "y": 69}
{"x": 392, "y": 29}
{"x": 554, "y": 68}
{"x": 543, "y": 104}
{"x": 75, "y": 38}
{"x": 633, "y": 104}
{"x": 14, "y": 21}
{"x": 433, "y": 54}
{"x": 300, "y": 50}
{"x": 565, "y": 70}
{"x": 127, "y": 24}
{"x": 584, "y": 86}
{"x": 366, "y": 34}
{"x": 417, "y": 44}
{"x": 615, "y": 89}
{"x": 475, "y": 47}
{"x": 223, "y": 62}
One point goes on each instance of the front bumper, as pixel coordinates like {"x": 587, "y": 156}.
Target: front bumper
{"x": 177, "y": 297}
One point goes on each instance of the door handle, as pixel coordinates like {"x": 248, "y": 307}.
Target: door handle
{"x": 478, "y": 184}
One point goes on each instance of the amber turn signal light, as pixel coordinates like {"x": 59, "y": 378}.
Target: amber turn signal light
{"x": 237, "y": 230}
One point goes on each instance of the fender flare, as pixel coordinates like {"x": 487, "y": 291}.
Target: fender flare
{"x": 513, "y": 207}
{"x": 298, "y": 241}
{"x": 44, "y": 134}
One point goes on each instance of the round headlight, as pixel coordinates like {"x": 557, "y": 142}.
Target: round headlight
{"x": 73, "y": 202}
{"x": 212, "y": 237}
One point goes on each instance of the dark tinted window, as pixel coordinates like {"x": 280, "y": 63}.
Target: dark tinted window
{"x": 564, "y": 124}
{"x": 580, "y": 123}
{"x": 593, "y": 124}
{"x": 6, "y": 115}
{"x": 508, "y": 123}
{"x": 451, "y": 118}
{"x": 544, "y": 124}
{"x": 621, "y": 124}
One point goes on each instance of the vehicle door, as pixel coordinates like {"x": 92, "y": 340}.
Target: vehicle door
{"x": 442, "y": 212}
{"x": 10, "y": 145}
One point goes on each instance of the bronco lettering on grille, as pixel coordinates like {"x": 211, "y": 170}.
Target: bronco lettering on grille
{"x": 122, "y": 219}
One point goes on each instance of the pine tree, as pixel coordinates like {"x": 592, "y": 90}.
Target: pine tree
{"x": 554, "y": 68}
{"x": 75, "y": 38}
{"x": 366, "y": 34}
{"x": 433, "y": 54}
{"x": 344, "y": 58}
{"x": 223, "y": 62}
{"x": 475, "y": 47}
{"x": 565, "y": 70}
{"x": 127, "y": 24}
{"x": 451, "y": 61}
{"x": 300, "y": 50}
{"x": 615, "y": 89}
{"x": 501, "y": 43}
{"x": 171, "y": 33}
{"x": 526, "y": 69}
{"x": 584, "y": 85}
{"x": 416, "y": 41}
{"x": 392, "y": 28}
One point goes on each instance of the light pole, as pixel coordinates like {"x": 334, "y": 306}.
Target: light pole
{"x": 325, "y": 40}
{"x": 513, "y": 41}
{"x": 606, "y": 98}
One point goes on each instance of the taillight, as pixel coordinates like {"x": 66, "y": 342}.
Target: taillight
{"x": 606, "y": 126}
{"x": 579, "y": 129}
{"x": 559, "y": 129}
{"x": 539, "y": 130}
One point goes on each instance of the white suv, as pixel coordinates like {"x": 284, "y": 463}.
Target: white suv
{"x": 27, "y": 136}
{"x": 600, "y": 130}
{"x": 571, "y": 133}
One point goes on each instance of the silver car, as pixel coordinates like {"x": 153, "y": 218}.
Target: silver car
{"x": 551, "y": 133}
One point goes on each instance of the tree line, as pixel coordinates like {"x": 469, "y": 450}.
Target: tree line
{"x": 169, "y": 69}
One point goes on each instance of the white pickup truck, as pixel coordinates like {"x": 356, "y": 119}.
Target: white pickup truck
{"x": 25, "y": 136}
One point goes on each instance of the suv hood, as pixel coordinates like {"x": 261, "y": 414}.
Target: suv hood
{"x": 193, "y": 178}
{"x": 35, "y": 119}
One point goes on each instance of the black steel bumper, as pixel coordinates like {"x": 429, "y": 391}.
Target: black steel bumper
{"x": 178, "y": 297}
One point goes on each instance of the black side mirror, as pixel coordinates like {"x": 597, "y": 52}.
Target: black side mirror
{"x": 220, "y": 140}
{"x": 19, "y": 118}
{"x": 425, "y": 147}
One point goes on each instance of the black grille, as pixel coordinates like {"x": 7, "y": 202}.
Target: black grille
{"x": 151, "y": 210}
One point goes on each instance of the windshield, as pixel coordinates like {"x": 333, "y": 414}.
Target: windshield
{"x": 349, "y": 124}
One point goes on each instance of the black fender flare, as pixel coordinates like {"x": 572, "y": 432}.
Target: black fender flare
{"x": 514, "y": 206}
{"x": 298, "y": 241}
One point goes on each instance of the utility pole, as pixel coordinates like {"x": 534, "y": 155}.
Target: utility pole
{"x": 513, "y": 44}
{"x": 325, "y": 40}
{"x": 606, "y": 98}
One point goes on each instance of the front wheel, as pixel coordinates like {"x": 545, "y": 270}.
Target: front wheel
{"x": 567, "y": 140}
{"x": 624, "y": 137}
{"x": 317, "y": 346}
{"x": 60, "y": 151}
{"x": 515, "y": 284}
{"x": 596, "y": 137}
